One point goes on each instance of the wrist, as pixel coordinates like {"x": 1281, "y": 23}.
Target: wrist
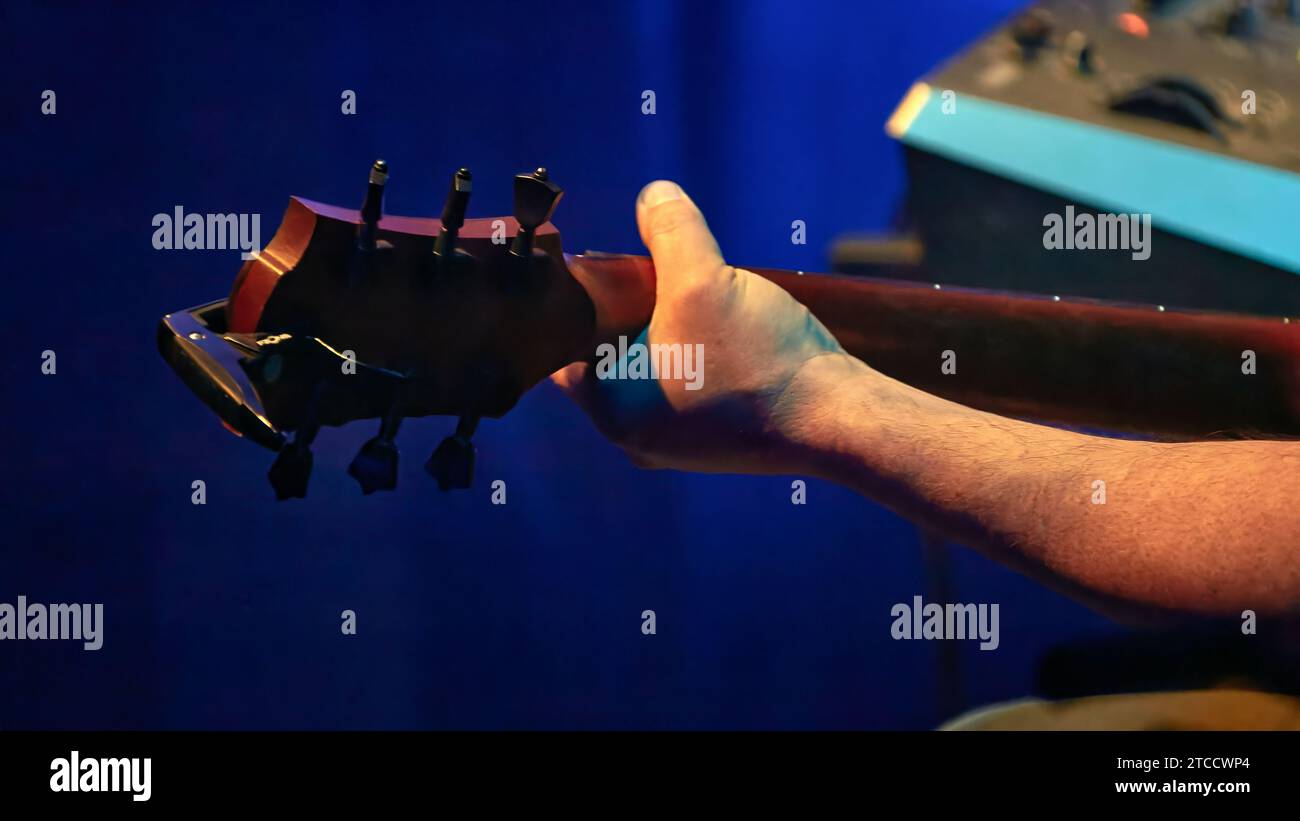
{"x": 824, "y": 416}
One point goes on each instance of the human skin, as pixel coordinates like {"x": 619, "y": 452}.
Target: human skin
{"x": 1207, "y": 528}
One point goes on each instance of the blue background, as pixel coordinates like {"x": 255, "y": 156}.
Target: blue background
{"x": 470, "y": 615}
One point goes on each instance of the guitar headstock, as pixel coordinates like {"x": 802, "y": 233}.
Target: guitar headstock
{"x": 349, "y": 315}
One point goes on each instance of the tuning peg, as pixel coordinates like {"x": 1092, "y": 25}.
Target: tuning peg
{"x": 373, "y": 206}
{"x": 375, "y": 465}
{"x": 453, "y": 212}
{"x": 452, "y": 464}
{"x": 292, "y": 466}
{"x": 291, "y": 471}
{"x": 372, "y": 209}
{"x": 535, "y": 200}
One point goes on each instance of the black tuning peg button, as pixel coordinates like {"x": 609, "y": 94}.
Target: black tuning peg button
{"x": 373, "y": 207}
{"x": 375, "y": 465}
{"x": 292, "y": 466}
{"x": 291, "y": 471}
{"x": 452, "y": 463}
{"x": 535, "y": 200}
{"x": 453, "y": 212}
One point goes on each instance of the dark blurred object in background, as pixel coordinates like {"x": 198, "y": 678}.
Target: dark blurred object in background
{"x": 1171, "y": 109}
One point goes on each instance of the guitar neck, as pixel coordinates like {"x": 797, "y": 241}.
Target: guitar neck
{"x": 1138, "y": 369}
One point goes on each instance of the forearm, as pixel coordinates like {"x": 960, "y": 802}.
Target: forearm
{"x": 1181, "y": 528}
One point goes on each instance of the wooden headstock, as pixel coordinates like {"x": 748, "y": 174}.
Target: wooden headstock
{"x": 349, "y": 315}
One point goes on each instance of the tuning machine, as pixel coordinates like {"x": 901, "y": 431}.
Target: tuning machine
{"x": 452, "y": 463}
{"x": 535, "y": 199}
{"x": 292, "y": 467}
{"x": 453, "y": 214}
{"x": 368, "y": 244}
{"x": 375, "y": 465}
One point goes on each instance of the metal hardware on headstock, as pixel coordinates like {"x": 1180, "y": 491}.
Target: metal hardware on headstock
{"x": 352, "y": 315}
{"x": 369, "y": 245}
{"x": 535, "y": 200}
{"x": 452, "y": 463}
{"x": 372, "y": 208}
{"x": 453, "y": 214}
{"x": 375, "y": 465}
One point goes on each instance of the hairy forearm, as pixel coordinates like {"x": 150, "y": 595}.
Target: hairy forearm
{"x": 1135, "y": 528}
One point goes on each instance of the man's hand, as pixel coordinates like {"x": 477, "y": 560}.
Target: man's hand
{"x": 1204, "y": 528}
{"x": 756, "y": 341}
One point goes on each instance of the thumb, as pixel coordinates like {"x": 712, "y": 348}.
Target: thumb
{"x": 683, "y": 248}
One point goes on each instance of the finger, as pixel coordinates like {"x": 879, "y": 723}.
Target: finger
{"x": 572, "y": 381}
{"x": 578, "y": 382}
{"x": 679, "y": 239}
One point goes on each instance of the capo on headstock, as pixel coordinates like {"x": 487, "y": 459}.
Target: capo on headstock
{"x": 353, "y": 315}
{"x": 249, "y": 380}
